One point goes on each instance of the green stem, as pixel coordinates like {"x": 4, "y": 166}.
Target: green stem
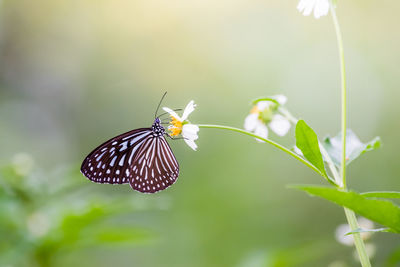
{"x": 350, "y": 215}
{"x": 284, "y": 149}
{"x": 331, "y": 166}
{"x": 360, "y": 247}
{"x": 343, "y": 85}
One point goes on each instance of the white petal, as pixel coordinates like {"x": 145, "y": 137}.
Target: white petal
{"x": 189, "y": 131}
{"x": 348, "y": 240}
{"x": 281, "y": 99}
{"x": 365, "y": 223}
{"x": 191, "y": 143}
{"x": 279, "y": 124}
{"x": 306, "y": 6}
{"x": 263, "y": 105}
{"x": 321, "y": 8}
{"x": 189, "y": 109}
{"x": 172, "y": 113}
{"x": 250, "y": 122}
{"x": 261, "y": 130}
{"x": 302, "y": 4}
{"x": 341, "y": 237}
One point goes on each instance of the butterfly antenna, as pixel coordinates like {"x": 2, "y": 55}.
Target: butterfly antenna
{"x": 165, "y": 113}
{"x": 159, "y": 104}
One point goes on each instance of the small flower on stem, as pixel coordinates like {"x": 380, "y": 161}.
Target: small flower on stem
{"x": 264, "y": 114}
{"x": 348, "y": 240}
{"x": 320, "y": 7}
{"x": 181, "y": 126}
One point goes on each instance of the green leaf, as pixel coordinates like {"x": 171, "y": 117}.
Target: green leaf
{"x": 382, "y": 194}
{"x": 112, "y": 235}
{"x": 307, "y": 142}
{"x": 354, "y": 147}
{"x": 119, "y": 234}
{"x": 393, "y": 258}
{"x": 382, "y": 211}
{"x": 360, "y": 230}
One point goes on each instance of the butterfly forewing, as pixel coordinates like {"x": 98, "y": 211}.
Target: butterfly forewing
{"x": 111, "y": 161}
{"x": 155, "y": 167}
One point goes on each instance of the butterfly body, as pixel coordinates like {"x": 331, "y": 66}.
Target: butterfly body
{"x": 141, "y": 157}
{"x": 157, "y": 128}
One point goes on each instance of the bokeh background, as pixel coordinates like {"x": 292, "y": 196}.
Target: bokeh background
{"x": 75, "y": 73}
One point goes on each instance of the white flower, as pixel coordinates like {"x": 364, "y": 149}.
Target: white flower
{"x": 263, "y": 114}
{"x": 348, "y": 240}
{"x": 180, "y": 125}
{"x": 321, "y": 7}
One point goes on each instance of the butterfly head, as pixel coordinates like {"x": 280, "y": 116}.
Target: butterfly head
{"x": 157, "y": 128}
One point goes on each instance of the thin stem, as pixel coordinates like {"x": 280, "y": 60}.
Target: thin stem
{"x": 351, "y": 217}
{"x": 360, "y": 247}
{"x": 284, "y": 149}
{"x": 343, "y": 85}
{"x": 331, "y": 166}
{"x": 288, "y": 115}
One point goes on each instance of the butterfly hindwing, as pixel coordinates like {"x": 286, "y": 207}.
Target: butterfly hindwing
{"x": 155, "y": 166}
{"x": 111, "y": 161}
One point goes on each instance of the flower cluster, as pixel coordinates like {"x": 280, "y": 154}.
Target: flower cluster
{"x": 265, "y": 114}
{"x": 348, "y": 240}
{"x": 181, "y": 126}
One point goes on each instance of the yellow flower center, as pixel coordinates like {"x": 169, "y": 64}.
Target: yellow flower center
{"x": 255, "y": 110}
{"x": 264, "y": 115}
{"x": 176, "y": 126}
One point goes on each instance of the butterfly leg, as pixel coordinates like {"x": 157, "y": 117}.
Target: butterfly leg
{"x": 176, "y": 138}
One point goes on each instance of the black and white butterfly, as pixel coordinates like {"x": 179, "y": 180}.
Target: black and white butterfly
{"x": 141, "y": 157}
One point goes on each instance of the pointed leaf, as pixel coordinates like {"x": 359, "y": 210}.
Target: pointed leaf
{"x": 307, "y": 142}
{"x": 382, "y": 211}
{"x": 382, "y": 194}
{"x": 354, "y": 147}
{"x": 360, "y": 230}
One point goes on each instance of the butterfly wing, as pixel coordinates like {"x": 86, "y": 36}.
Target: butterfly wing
{"x": 109, "y": 162}
{"x": 155, "y": 166}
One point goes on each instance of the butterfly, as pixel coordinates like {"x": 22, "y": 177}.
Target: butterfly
{"x": 141, "y": 157}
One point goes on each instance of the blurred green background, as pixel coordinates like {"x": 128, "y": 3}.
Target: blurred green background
{"x": 75, "y": 73}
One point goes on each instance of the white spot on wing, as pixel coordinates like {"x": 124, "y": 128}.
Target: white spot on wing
{"x": 121, "y": 161}
{"x": 134, "y": 140}
{"x": 124, "y": 146}
{"x": 113, "y": 161}
{"x": 99, "y": 157}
